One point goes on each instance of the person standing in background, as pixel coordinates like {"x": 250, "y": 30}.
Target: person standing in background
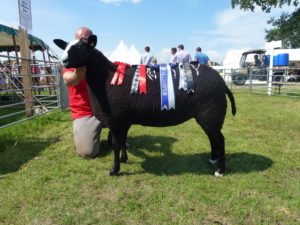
{"x": 173, "y": 55}
{"x": 182, "y": 56}
{"x": 202, "y": 58}
{"x": 146, "y": 57}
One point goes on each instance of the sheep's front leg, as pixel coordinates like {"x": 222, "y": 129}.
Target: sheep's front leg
{"x": 124, "y": 156}
{"x": 116, "y": 167}
{"x": 119, "y": 135}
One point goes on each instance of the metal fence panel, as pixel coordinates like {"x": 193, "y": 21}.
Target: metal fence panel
{"x": 278, "y": 81}
{"x": 44, "y": 91}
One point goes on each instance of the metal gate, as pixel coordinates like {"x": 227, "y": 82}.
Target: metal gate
{"x": 26, "y": 95}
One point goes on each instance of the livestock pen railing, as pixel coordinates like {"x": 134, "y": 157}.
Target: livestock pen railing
{"x": 29, "y": 89}
{"x": 274, "y": 82}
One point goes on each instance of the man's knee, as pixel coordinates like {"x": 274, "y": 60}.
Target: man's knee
{"x": 87, "y": 154}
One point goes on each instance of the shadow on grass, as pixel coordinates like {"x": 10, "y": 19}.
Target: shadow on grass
{"x": 160, "y": 160}
{"x": 17, "y": 153}
{"x": 105, "y": 148}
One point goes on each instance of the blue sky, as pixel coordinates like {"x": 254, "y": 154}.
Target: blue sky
{"x": 213, "y": 25}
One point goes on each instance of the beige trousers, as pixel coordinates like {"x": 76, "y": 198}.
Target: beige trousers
{"x": 87, "y": 132}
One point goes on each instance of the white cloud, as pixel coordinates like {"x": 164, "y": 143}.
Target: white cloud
{"x": 235, "y": 29}
{"x": 164, "y": 55}
{"x": 118, "y": 2}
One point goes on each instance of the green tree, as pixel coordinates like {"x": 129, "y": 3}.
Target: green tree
{"x": 286, "y": 28}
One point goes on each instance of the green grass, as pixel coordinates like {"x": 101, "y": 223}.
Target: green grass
{"x": 167, "y": 179}
{"x": 13, "y": 118}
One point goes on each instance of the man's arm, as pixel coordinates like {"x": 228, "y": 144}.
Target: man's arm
{"x": 72, "y": 78}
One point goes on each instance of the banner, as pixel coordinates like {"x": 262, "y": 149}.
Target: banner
{"x": 25, "y": 14}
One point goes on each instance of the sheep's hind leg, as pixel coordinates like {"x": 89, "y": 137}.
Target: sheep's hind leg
{"x": 211, "y": 119}
{"x": 218, "y": 140}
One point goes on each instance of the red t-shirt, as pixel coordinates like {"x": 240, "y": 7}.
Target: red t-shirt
{"x": 79, "y": 101}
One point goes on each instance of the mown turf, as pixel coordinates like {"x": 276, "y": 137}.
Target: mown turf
{"x": 167, "y": 179}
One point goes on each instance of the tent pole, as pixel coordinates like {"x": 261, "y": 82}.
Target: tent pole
{"x": 8, "y": 58}
{"x": 16, "y": 49}
{"x": 43, "y": 51}
{"x": 48, "y": 55}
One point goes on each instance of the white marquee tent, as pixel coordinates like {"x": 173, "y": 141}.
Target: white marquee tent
{"x": 124, "y": 54}
{"x": 232, "y": 59}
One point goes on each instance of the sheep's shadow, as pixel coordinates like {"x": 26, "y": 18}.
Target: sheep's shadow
{"x": 160, "y": 160}
{"x": 14, "y": 153}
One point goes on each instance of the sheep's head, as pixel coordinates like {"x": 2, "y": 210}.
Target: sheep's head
{"x": 77, "y": 52}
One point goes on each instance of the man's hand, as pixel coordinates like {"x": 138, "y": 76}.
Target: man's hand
{"x": 74, "y": 78}
{"x": 80, "y": 72}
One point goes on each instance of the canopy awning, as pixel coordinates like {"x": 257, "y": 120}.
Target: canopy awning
{"x": 7, "y": 35}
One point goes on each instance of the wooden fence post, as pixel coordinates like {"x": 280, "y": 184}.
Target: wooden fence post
{"x": 26, "y": 72}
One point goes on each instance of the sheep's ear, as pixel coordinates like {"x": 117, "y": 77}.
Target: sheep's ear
{"x": 60, "y": 43}
{"x": 92, "y": 41}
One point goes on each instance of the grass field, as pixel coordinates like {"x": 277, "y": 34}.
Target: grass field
{"x": 167, "y": 179}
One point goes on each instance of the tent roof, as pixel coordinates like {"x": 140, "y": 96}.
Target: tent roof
{"x": 7, "y": 44}
{"x": 232, "y": 59}
{"x": 124, "y": 54}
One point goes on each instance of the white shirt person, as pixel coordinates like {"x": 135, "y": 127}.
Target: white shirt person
{"x": 183, "y": 56}
{"x": 146, "y": 57}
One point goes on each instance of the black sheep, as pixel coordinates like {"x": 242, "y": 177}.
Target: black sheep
{"x": 118, "y": 109}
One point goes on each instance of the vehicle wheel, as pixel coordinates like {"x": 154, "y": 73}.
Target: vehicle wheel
{"x": 239, "y": 79}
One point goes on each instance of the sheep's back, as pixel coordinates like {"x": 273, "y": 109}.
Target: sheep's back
{"x": 145, "y": 109}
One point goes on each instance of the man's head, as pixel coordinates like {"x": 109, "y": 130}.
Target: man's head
{"x": 147, "y": 49}
{"x": 173, "y": 50}
{"x": 76, "y": 53}
{"x": 198, "y": 49}
{"x": 154, "y": 61}
{"x": 180, "y": 47}
{"x": 83, "y": 33}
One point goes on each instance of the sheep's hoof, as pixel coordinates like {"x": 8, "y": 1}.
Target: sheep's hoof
{"x": 123, "y": 159}
{"x": 114, "y": 172}
{"x": 218, "y": 173}
{"x": 211, "y": 161}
